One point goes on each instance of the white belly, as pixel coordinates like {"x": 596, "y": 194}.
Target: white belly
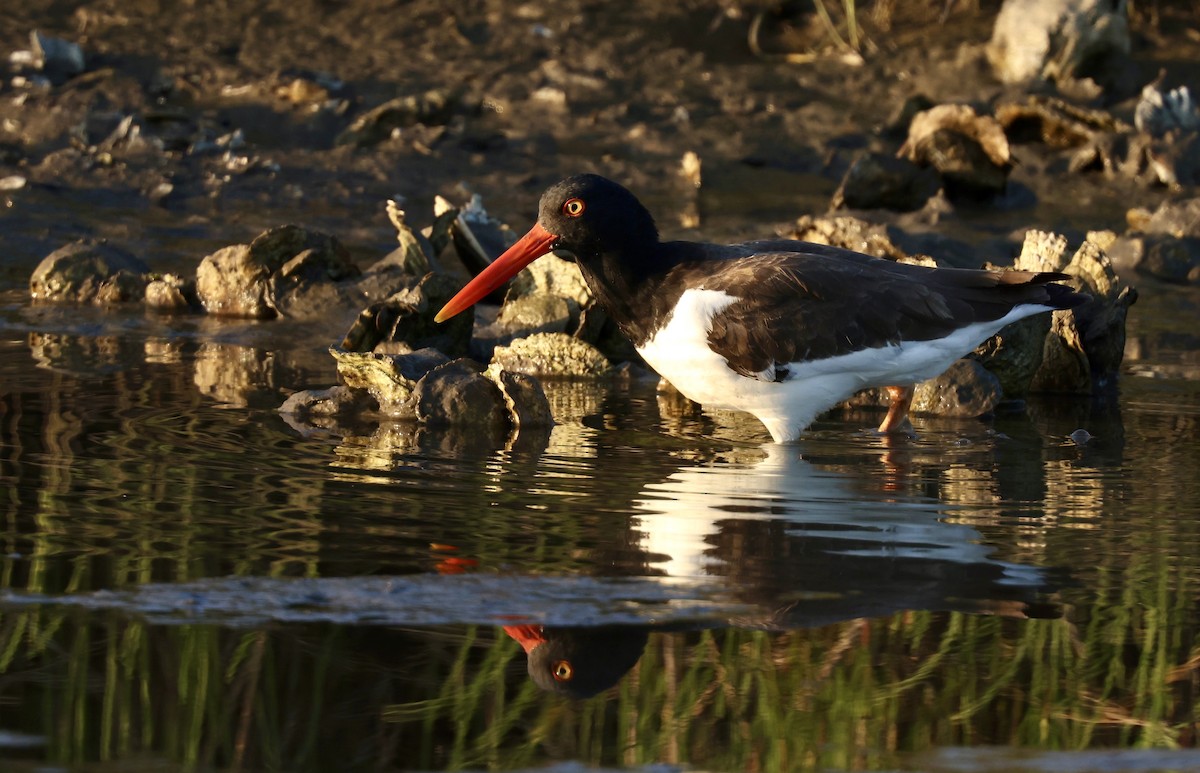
{"x": 681, "y": 354}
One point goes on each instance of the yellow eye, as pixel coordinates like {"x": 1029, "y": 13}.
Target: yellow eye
{"x": 573, "y": 207}
{"x": 562, "y": 671}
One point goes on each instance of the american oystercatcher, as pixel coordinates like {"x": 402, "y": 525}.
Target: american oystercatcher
{"x": 779, "y": 328}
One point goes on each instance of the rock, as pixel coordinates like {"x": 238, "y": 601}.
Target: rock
{"x": 1159, "y": 114}
{"x": 89, "y": 271}
{"x": 1042, "y": 251}
{"x": 432, "y": 108}
{"x": 877, "y": 181}
{"x": 1167, "y": 258}
{"x": 538, "y": 313}
{"x": 391, "y": 379}
{"x": 1061, "y": 40}
{"x": 850, "y": 233}
{"x": 171, "y": 293}
{"x": 524, "y": 397}
{"x": 1014, "y": 355}
{"x": 1055, "y": 122}
{"x": 478, "y": 237}
{"x": 1101, "y": 321}
{"x": 551, "y": 355}
{"x": 965, "y": 390}
{"x": 415, "y": 253}
{"x": 338, "y": 401}
{"x": 405, "y": 319}
{"x": 457, "y": 393}
{"x": 1064, "y": 368}
{"x": 238, "y": 281}
{"x": 58, "y": 59}
{"x": 554, "y": 276}
{"x": 1179, "y": 218}
{"x": 231, "y": 284}
{"x": 312, "y": 284}
{"x": 968, "y": 150}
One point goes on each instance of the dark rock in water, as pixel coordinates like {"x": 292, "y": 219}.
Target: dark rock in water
{"x": 965, "y": 390}
{"x": 405, "y": 319}
{"x": 969, "y": 151}
{"x": 551, "y": 355}
{"x": 458, "y": 393}
{"x": 523, "y": 395}
{"x": 1065, "y": 368}
{"x": 1083, "y": 351}
{"x": 239, "y": 280}
{"x": 312, "y": 285}
{"x": 1062, "y": 40}
{"x": 1014, "y": 354}
{"x": 170, "y": 293}
{"x": 89, "y": 271}
{"x": 880, "y": 181}
{"x": 391, "y": 379}
{"x": 338, "y": 401}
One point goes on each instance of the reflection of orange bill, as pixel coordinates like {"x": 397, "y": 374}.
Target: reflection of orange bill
{"x": 528, "y": 636}
{"x": 456, "y": 565}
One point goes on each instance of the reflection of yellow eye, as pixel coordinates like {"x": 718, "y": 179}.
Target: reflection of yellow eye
{"x": 573, "y": 207}
{"x": 562, "y": 671}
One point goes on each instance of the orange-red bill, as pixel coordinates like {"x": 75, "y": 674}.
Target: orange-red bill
{"x": 528, "y": 248}
{"x": 528, "y": 636}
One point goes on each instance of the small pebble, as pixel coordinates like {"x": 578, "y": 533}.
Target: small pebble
{"x": 1080, "y": 437}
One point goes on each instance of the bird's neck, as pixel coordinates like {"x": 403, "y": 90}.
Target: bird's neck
{"x": 628, "y": 286}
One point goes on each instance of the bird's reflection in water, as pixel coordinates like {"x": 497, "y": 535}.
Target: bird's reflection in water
{"x": 802, "y": 546}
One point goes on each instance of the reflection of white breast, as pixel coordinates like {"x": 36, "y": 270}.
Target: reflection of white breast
{"x": 679, "y": 517}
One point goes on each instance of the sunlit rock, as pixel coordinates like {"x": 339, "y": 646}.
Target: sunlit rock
{"x": 850, "y": 233}
{"x": 969, "y": 151}
{"x": 1055, "y": 122}
{"x": 390, "y": 379}
{"x": 523, "y": 396}
{"x": 239, "y": 280}
{"x": 551, "y": 354}
{"x": 1061, "y": 40}
{"x": 171, "y": 293}
{"x": 89, "y": 271}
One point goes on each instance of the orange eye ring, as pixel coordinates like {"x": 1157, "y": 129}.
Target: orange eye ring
{"x": 573, "y": 207}
{"x": 562, "y": 671}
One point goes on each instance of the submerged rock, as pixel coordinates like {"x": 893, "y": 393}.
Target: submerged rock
{"x": 90, "y": 271}
{"x": 551, "y": 355}
{"x": 965, "y": 390}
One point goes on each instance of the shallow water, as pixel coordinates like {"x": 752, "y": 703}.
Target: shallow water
{"x": 187, "y": 579}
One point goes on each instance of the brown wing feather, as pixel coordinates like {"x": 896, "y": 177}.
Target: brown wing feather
{"x": 803, "y": 306}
